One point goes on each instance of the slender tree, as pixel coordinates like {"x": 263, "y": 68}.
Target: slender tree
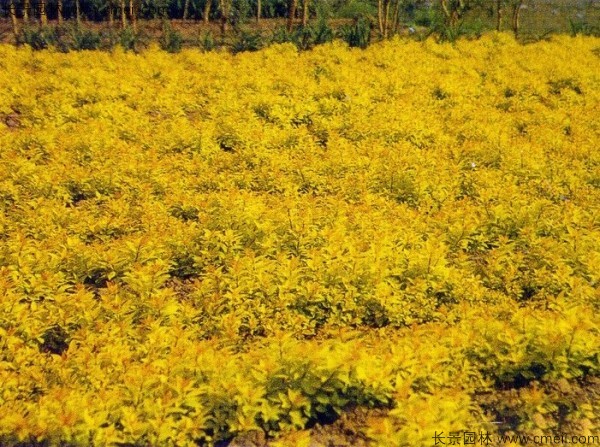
{"x": 59, "y": 11}
{"x": 516, "y": 7}
{"x": 26, "y": 8}
{"x": 43, "y": 15}
{"x": 383, "y": 12}
{"x": 133, "y": 13}
{"x": 13, "y": 16}
{"x": 386, "y": 17}
{"x": 206, "y": 12}
{"x": 77, "y": 12}
{"x": 186, "y": 9}
{"x": 111, "y": 15}
{"x": 305, "y": 12}
{"x": 123, "y": 16}
{"x": 499, "y": 10}
{"x": 396, "y": 15}
{"x": 292, "y": 4}
{"x": 380, "y": 16}
{"x": 258, "y": 10}
{"x": 398, "y": 6}
{"x": 225, "y": 10}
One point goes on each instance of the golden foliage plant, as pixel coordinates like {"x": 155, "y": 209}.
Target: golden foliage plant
{"x": 199, "y": 246}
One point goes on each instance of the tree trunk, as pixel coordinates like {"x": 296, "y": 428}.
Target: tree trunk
{"x": 291, "y": 14}
{"x": 380, "y": 16}
{"x": 133, "y": 14}
{"x": 396, "y": 16}
{"x": 305, "y": 12}
{"x": 111, "y": 16}
{"x": 59, "y": 11}
{"x": 26, "y": 7}
{"x": 13, "y": 17}
{"x": 224, "y": 15}
{"x": 498, "y": 15}
{"x": 186, "y": 9}
{"x": 206, "y": 14}
{"x": 386, "y": 18}
{"x": 43, "y": 15}
{"x": 258, "y": 10}
{"x": 516, "y": 12}
{"x": 123, "y": 16}
{"x": 78, "y": 12}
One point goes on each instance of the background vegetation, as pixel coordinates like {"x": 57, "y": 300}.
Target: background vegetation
{"x": 242, "y": 25}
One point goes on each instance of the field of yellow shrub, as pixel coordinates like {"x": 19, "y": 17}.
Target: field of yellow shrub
{"x": 198, "y": 247}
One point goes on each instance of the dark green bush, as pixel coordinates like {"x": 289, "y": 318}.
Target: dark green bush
{"x": 85, "y": 39}
{"x": 322, "y": 32}
{"x": 247, "y": 41}
{"x": 582, "y": 27}
{"x": 38, "y": 38}
{"x": 132, "y": 40}
{"x": 282, "y": 35}
{"x": 356, "y": 8}
{"x": 206, "y": 42}
{"x": 358, "y": 34}
{"x": 171, "y": 39}
{"x": 304, "y": 37}
{"x": 425, "y": 17}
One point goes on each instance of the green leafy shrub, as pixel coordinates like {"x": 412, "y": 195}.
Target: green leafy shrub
{"x": 582, "y": 27}
{"x": 171, "y": 40}
{"x": 38, "y": 38}
{"x": 304, "y": 38}
{"x": 322, "y": 32}
{"x": 357, "y": 8}
{"x": 425, "y": 17}
{"x": 358, "y": 34}
{"x": 132, "y": 40}
{"x": 206, "y": 42}
{"x": 247, "y": 41}
{"x": 282, "y": 35}
{"x": 86, "y": 39}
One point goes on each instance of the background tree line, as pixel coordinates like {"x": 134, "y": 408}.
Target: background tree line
{"x": 128, "y": 11}
{"x": 382, "y": 17}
